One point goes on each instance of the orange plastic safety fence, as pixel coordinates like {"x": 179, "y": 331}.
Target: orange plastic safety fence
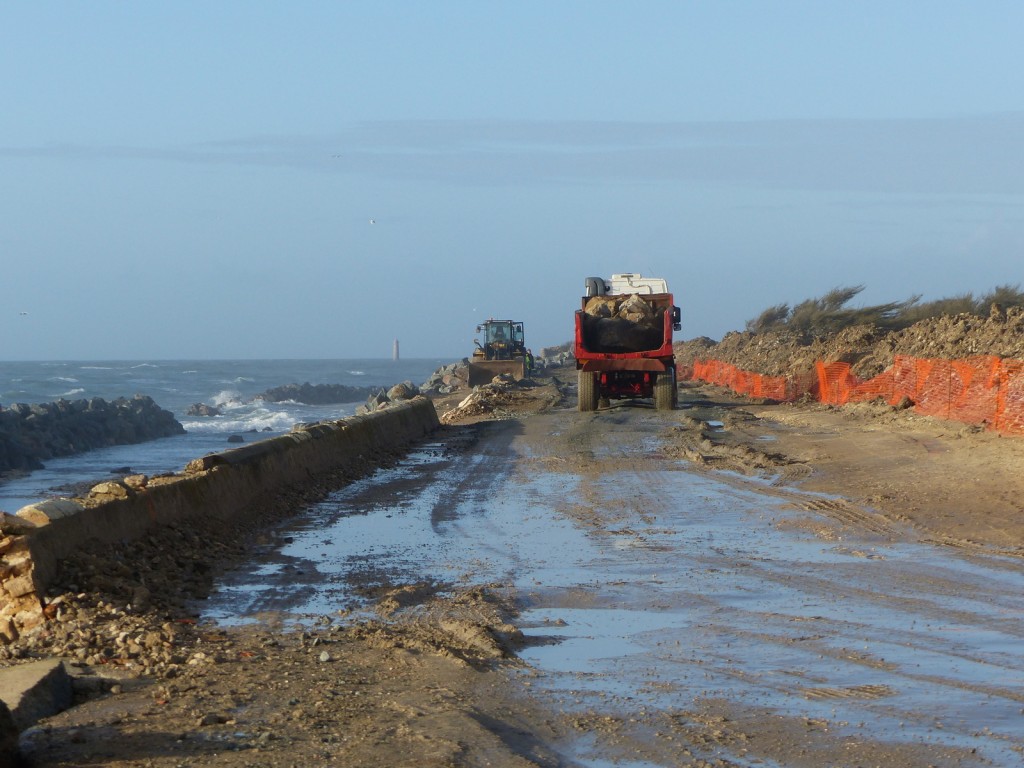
{"x": 984, "y": 390}
{"x": 779, "y": 388}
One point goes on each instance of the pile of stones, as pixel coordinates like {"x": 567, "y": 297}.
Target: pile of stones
{"x": 382, "y": 399}
{"x": 448, "y": 378}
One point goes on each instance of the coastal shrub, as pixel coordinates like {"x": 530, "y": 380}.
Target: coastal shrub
{"x": 830, "y": 314}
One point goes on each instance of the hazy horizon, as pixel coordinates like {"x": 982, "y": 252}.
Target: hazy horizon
{"x": 313, "y": 180}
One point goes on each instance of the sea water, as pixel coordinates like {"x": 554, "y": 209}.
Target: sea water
{"x": 176, "y": 385}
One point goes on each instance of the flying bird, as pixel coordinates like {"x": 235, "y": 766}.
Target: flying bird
{"x": 373, "y": 221}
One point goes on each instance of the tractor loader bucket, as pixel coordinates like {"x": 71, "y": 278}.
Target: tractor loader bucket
{"x": 483, "y": 371}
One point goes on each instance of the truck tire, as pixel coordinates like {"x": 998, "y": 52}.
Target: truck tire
{"x": 665, "y": 391}
{"x": 588, "y": 391}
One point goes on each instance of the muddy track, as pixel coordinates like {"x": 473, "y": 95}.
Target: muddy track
{"x": 562, "y": 589}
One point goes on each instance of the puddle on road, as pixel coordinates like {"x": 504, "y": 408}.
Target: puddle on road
{"x": 428, "y": 523}
{"x": 692, "y": 592}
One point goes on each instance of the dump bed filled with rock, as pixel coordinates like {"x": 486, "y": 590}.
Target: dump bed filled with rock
{"x": 622, "y": 324}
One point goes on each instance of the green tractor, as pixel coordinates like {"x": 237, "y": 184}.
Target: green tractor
{"x": 503, "y": 351}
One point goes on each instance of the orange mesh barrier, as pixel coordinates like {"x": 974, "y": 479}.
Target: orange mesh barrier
{"x": 780, "y": 388}
{"x": 985, "y": 390}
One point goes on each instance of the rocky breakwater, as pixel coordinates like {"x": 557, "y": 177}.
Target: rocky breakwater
{"x": 448, "y": 378}
{"x": 30, "y": 434}
{"x": 315, "y": 394}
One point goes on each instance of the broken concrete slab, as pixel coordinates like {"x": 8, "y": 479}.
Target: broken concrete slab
{"x": 35, "y": 690}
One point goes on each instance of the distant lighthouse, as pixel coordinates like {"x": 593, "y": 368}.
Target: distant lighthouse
{"x": 394, "y": 354}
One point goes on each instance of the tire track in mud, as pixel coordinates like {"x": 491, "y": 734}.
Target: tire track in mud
{"x": 710, "y": 448}
{"x": 880, "y": 629}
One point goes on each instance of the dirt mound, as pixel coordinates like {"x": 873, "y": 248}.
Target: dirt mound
{"x": 868, "y": 349}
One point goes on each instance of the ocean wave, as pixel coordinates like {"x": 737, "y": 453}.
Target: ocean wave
{"x": 73, "y": 392}
{"x": 66, "y": 379}
{"x": 228, "y": 398}
{"x": 260, "y": 421}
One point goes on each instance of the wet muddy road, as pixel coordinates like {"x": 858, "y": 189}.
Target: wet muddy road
{"x": 676, "y": 616}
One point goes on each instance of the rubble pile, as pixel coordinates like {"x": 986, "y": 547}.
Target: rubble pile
{"x": 869, "y": 350}
{"x": 494, "y": 399}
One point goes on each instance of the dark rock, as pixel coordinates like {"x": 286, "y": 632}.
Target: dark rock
{"x": 202, "y": 409}
{"x": 376, "y": 400}
{"x": 315, "y": 394}
{"x": 30, "y": 434}
{"x": 236, "y": 439}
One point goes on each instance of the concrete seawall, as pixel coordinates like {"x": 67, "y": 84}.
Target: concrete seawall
{"x": 220, "y": 486}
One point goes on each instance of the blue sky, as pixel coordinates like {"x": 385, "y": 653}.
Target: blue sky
{"x": 198, "y": 180}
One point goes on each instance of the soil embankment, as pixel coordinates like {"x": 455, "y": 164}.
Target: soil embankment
{"x": 868, "y": 349}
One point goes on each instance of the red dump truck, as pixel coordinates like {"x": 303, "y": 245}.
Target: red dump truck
{"x": 623, "y": 342}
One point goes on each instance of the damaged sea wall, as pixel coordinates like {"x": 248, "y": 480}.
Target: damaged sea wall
{"x": 218, "y": 486}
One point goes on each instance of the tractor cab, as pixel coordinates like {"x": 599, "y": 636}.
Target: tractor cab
{"x": 503, "y": 340}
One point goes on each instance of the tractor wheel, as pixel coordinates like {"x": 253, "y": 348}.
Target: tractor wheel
{"x": 588, "y": 390}
{"x": 665, "y": 391}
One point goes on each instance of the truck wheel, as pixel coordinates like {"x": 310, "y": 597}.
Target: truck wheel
{"x": 587, "y": 389}
{"x": 665, "y": 391}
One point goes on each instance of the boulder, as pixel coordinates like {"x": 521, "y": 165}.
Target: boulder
{"x": 109, "y": 491}
{"x": 44, "y": 512}
{"x": 202, "y": 409}
{"x": 12, "y": 525}
{"x": 404, "y": 391}
{"x": 636, "y": 310}
{"x": 602, "y": 306}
